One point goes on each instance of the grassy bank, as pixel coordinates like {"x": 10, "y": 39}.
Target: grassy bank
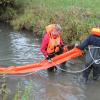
{"x": 75, "y": 16}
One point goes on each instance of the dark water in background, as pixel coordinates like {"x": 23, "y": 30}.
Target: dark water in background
{"x": 19, "y": 48}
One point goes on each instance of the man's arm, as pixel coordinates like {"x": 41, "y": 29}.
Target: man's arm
{"x": 44, "y": 44}
{"x": 85, "y": 43}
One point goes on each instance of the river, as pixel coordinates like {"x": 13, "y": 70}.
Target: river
{"x": 20, "y": 48}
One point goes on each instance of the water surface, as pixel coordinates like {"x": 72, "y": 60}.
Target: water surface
{"x": 19, "y": 48}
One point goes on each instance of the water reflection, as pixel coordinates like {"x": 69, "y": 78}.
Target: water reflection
{"x": 18, "y": 48}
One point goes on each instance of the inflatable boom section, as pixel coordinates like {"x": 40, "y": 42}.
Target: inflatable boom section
{"x": 75, "y": 52}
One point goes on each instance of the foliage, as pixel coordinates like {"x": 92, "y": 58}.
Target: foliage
{"x": 9, "y": 14}
{"x": 7, "y": 11}
{"x": 5, "y": 3}
{"x": 76, "y": 17}
{"x": 26, "y": 94}
{"x": 77, "y": 23}
{"x": 4, "y": 91}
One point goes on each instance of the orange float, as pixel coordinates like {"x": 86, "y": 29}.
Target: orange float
{"x": 43, "y": 64}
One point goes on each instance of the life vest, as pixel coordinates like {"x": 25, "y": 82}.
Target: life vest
{"x": 95, "y": 31}
{"x": 53, "y": 45}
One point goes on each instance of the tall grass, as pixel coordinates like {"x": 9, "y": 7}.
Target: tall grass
{"x": 4, "y": 91}
{"x": 26, "y": 94}
{"x": 75, "y": 16}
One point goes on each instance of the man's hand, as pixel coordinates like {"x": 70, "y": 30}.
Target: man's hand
{"x": 49, "y": 59}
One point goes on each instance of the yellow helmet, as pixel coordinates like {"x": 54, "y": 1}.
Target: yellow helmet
{"x": 53, "y": 27}
{"x": 50, "y": 28}
{"x": 95, "y": 31}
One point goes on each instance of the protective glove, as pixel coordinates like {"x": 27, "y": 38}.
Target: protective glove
{"x": 62, "y": 45}
{"x": 64, "y": 48}
{"x": 49, "y": 59}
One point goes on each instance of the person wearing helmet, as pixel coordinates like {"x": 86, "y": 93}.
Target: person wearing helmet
{"x": 52, "y": 43}
{"x": 93, "y": 55}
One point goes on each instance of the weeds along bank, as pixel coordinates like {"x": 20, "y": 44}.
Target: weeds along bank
{"x": 75, "y": 16}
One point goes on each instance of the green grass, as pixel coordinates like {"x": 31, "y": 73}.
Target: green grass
{"x": 93, "y": 5}
{"x": 76, "y": 17}
{"x": 26, "y": 94}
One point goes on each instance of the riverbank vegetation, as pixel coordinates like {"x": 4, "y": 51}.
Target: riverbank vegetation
{"x": 75, "y": 16}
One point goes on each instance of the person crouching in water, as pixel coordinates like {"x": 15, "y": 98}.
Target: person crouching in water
{"x": 93, "y": 55}
{"x": 52, "y": 44}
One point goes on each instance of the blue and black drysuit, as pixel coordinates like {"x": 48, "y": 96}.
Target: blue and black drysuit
{"x": 94, "y": 43}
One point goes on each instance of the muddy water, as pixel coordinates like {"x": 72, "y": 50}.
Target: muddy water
{"x": 19, "y": 48}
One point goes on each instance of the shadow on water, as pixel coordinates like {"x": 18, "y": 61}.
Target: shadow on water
{"x": 18, "y": 48}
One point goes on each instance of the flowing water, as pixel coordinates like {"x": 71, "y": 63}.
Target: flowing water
{"x": 20, "y": 48}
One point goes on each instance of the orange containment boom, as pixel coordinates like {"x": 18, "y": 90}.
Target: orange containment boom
{"x": 43, "y": 64}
